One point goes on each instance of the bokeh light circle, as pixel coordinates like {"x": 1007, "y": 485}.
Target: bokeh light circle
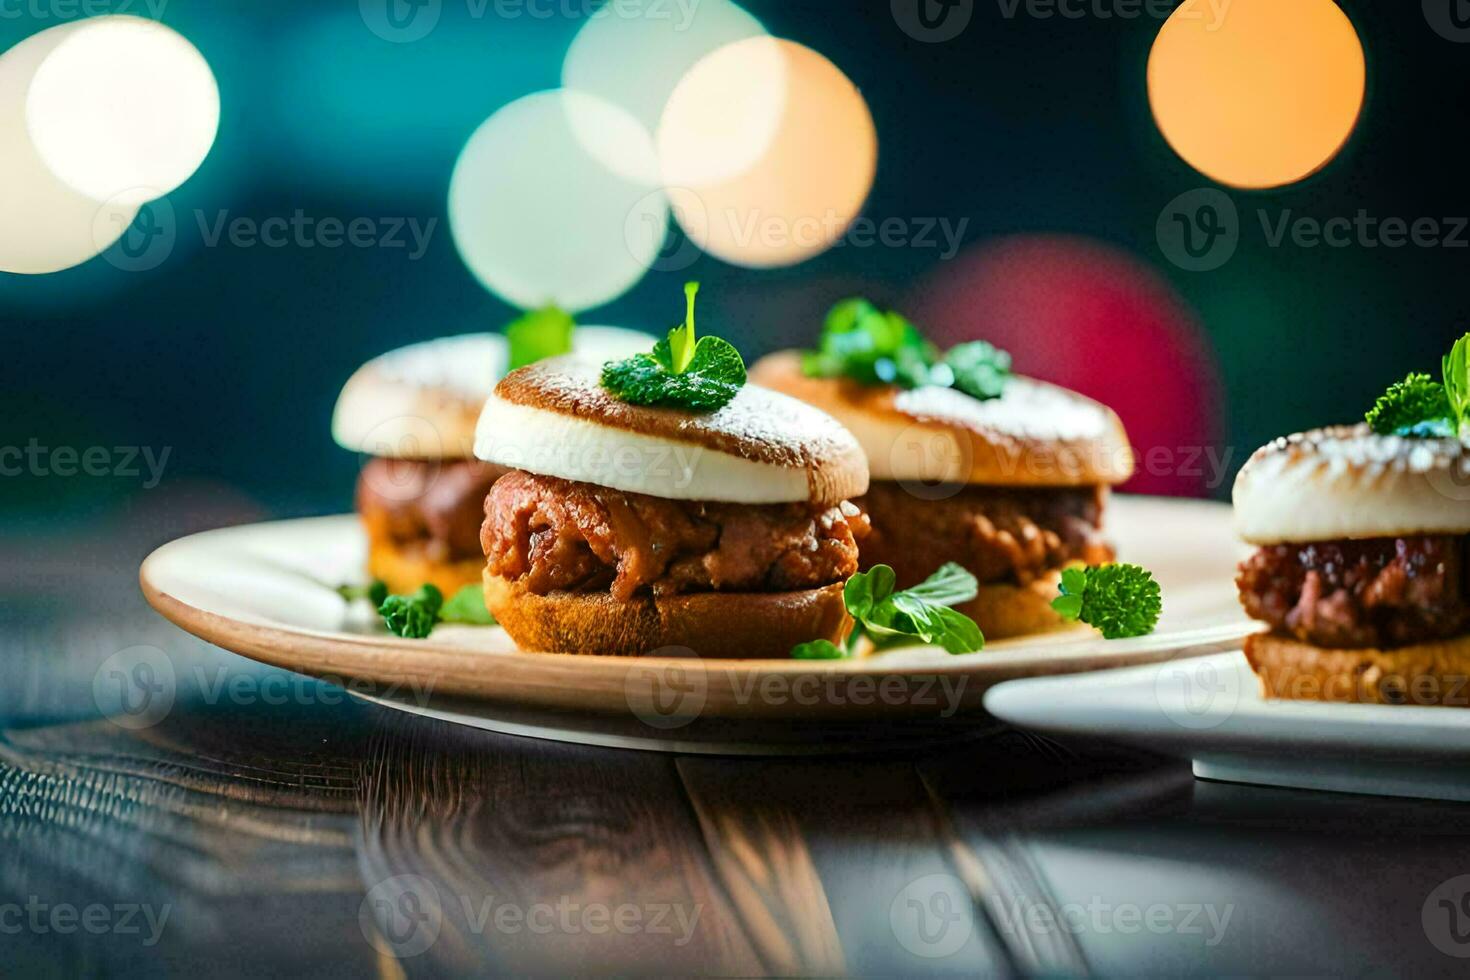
{"x": 45, "y": 225}
{"x": 1261, "y": 96}
{"x": 810, "y": 182}
{"x": 122, "y": 103}
{"x": 1096, "y": 319}
{"x": 539, "y": 219}
{"x": 633, "y": 53}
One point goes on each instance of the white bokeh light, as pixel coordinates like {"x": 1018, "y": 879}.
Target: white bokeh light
{"x": 633, "y": 54}
{"x": 123, "y": 107}
{"x": 45, "y": 225}
{"x": 539, "y": 219}
{"x": 810, "y": 182}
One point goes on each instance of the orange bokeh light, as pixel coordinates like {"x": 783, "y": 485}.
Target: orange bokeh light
{"x": 1264, "y": 95}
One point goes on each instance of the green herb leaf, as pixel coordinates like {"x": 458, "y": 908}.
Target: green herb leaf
{"x": 467, "y": 606}
{"x": 1409, "y": 403}
{"x": 412, "y": 616}
{"x": 871, "y": 346}
{"x": 538, "y": 335}
{"x": 917, "y": 615}
{"x": 1457, "y": 383}
{"x": 698, "y": 374}
{"x": 818, "y": 650}
{"x": 1118, "y": 600}
{"x": 880, "y": 347}
{"x": 374, "y": 592}
{"x": 980, "y": 370}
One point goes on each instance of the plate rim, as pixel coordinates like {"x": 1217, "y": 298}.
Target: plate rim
{"x": 316, "y": 652}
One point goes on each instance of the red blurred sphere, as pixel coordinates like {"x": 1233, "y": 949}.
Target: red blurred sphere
{"x": 1093, "y": 318}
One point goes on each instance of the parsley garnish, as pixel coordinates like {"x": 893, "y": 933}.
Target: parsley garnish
{"x": 540, "y": 334}
{"x": 374, "y": 592}
{"x": 1412, "y": 402}
{"x": 873, "y": 347}
{"x": 1456, "y": 367}
{"x": 412, "y": 616}
{"x": 415, "y": 616}
{"x": 467, "y": 606}
{"x": 1118, "y": 600}
{"x": 698, "y": 374}
{"x": 1420, "y": 407}
{"x": 917, "y": 615}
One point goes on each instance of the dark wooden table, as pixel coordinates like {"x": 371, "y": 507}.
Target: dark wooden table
{"x": 269, "y": 826}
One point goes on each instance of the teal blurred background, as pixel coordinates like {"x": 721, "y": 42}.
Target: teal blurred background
{"x": 1035, "y": 133}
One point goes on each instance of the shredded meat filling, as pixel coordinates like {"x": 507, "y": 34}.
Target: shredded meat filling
{"x": 1384, "y": 592}
{"x": 1001, "y": 534}
{"x": 559, "y": 536}
{"x": 432, "y": 506}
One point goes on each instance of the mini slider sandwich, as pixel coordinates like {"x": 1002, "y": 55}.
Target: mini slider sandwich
{"x": 1006, "y": 476}
{"x": 661, "y": 502}
{"x": 1363, "y": 567}
{"x": 413, "y": 412}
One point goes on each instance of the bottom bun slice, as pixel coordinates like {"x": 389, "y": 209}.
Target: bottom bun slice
{"x": 714, "y": 625}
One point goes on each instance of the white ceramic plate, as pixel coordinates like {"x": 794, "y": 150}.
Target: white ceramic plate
{"x": 1211, "y": 710}
{"x": 267, "y": 591}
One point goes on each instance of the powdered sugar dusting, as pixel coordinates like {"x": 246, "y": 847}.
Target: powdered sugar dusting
{"x": 467, "y": 366}
{"x": 1029, "y": 409}
{"x": 1358, "y": 449}
{"x": 758, "y": 424}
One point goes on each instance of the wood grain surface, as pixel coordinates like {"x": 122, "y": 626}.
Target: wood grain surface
{"x": 271, "y": 826}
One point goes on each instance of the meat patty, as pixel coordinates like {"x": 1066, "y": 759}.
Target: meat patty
{"x": 430, "y": 506}
{"x": 559, "y": 536}
{"x": 1384, "y": 592}
{"x": 1001, "y": 534}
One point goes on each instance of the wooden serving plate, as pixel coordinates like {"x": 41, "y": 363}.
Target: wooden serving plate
{"x": 267, "y": 591}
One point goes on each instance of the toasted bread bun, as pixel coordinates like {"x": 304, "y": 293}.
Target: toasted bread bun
{"x": 1435, "y": 674}
{"x": 555, "y": 419}
{"x": 712, "y": 625}
{"x": 404, "y": 571}
{"x": 422, "y": 401}
{"x": 1347, "y": 482}
{"x": 1015, "y": 610}
{"x": 1036, "y": 434}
